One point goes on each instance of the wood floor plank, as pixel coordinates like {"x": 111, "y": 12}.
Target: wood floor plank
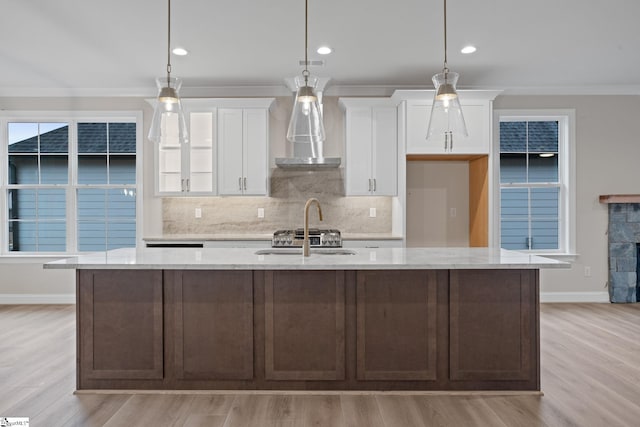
{"x": 400, "y": 411}
{"x": 361, "y": 411}
{"x": 81, "y": 411}
{"x": 151, "y": 410}
{"x": 527, "y": 411}
{"x": 263, "y": 410}
{"x": 320, "y": 410}
{"x": 456, "y": 410}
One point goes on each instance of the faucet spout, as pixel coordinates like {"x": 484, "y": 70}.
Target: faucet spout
{"x": 305, "y": 242}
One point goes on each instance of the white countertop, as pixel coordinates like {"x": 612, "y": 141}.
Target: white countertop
{"x": 265, "y": 236}
{"x": 364, "y": 259}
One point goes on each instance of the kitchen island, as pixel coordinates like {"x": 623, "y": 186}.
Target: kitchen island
{"x": 378, "y": 319}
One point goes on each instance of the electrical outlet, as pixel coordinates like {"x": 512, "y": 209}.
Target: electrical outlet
{"x": 198, "y": 212}
{"x": 453, "y": 212}
{"x": 372, "y": 212}
{"x": 260, "y": 212}
{"x": 587, "y": 271}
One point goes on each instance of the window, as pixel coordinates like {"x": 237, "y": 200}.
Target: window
{"x": 70, "y": 184}
{"x": 536, "y": 194}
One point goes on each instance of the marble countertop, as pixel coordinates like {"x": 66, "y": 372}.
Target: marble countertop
{"x": 362, "y": 259}
{"x": 258, "y": 236}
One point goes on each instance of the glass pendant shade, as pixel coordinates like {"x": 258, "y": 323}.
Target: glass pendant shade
{"x": 306, "y": 118}
{"x": 446, "y": 114}
{"x": 168, "y": 125}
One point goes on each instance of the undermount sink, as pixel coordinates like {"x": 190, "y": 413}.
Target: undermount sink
{"x": 298, "y": 251}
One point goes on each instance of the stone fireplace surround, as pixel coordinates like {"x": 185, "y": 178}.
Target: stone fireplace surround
{"x": 624, "y": 237}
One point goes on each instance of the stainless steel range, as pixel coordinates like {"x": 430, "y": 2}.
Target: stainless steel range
{"x": 318, "y": 238}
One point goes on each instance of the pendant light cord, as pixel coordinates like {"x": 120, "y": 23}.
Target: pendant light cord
{"x": 168, "y": 43}
{"x": 306, "y": 32}
{"x": 445, "y": 36}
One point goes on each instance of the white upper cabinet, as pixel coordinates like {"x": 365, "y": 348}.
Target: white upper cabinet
{"x": 477, "y": 111}
{"x": 243, "y": 151}
{"x": 187, "y": 168}
{"x": 194, "y": 168}
{"x": 371, "y": 146}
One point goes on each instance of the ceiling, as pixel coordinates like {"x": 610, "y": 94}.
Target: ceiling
{"x": 118, "y": 47}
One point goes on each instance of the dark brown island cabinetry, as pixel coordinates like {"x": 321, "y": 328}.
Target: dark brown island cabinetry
{"x": 308, "y": 329}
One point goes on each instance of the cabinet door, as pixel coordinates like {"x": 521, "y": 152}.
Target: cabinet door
{"x": 396, "y": 325}
{"x": 255, "y": 152}
{"x": 385, "y": 149}
{"x": 478, "y": 122}
{"x": 417, "y": 126}
{"x": 213, "y": 315}
{"x": 230, "y": 151}
{"x": 495, "y": 313}
{"x": 120, "y": 325}
{"x": 201, "y": 152}
{"x": 358, "y": 152}
{"x": 477, "y": 118}
{"x": 169, "y": 159}
{"x": 304, "y": 325}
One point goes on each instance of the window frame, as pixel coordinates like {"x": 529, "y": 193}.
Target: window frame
{"x": 566, "y": 175}
{"x": 72, "y": 118}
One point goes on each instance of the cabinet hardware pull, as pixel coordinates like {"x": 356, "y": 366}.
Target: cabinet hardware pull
{"x": 375, "y": 184}
{"x": 369, "y": 185}
{"x": 240, "y": 183}
{"x": 448, "y": 141}
{"x": 182, "y": 185}
{"x": 245, "y": 183}
{"x": 188, "y": 186}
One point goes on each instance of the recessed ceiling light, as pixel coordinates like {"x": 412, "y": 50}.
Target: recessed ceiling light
{"x": 180, "y": 51}
{"x": 468, "y": 49}
{"x": 324, "y": 50}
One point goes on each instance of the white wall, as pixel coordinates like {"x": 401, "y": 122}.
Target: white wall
{"x": 433, "y": 189}
{"x": 608, "y": 162}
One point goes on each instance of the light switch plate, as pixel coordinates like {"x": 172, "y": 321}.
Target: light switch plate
{"x": 372, "y": 212}
{"x": 198, "y": 212}
{"x": 260, "y": 212}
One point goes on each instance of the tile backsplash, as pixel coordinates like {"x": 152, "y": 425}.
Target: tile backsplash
{"x": 282, "y": 210}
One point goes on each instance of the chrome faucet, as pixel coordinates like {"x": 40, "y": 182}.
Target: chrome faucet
{"x": 305, "y": 242}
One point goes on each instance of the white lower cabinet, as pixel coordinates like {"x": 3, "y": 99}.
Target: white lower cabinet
{"x": 371, "y": 135}
{"x": 243, "y": 151}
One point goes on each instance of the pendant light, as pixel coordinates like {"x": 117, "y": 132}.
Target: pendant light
{"x": 446, "y": 114}
{"x": 306, "y": 118}
{"x": 168, "y": 117}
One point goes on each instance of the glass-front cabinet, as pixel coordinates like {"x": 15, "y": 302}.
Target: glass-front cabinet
{"x": 193, "y": 168}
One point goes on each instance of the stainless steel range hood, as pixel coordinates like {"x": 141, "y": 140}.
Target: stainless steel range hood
{"x": 303, "y": 158}
{"x": 306, "y": 155}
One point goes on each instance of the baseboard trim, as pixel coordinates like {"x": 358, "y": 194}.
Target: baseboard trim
{"x": 13, "y": 299}
{"x": 71, "y": 298}
{"x": 574, "y": 296}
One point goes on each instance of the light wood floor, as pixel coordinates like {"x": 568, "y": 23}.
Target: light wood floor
{"x": 590, "y": 377}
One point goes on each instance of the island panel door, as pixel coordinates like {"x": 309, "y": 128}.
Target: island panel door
{"x": 304, "y": 325}
{"x": 213, "y": 324}
{"x": 493, "y": 312}
{"x": 396, "y": 325}
{"x": 120, "y": 330}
